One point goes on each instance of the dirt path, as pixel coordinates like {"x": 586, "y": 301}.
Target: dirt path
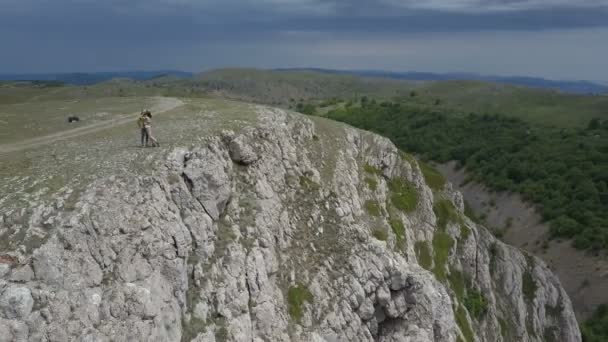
{"x": 163, "y": 104}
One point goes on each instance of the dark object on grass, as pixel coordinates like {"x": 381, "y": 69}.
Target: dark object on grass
{"x": 73, "y": 119}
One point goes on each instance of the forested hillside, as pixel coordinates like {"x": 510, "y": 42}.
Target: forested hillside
{"x": 563, "y": 171}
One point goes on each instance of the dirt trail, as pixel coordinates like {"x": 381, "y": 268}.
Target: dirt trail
{"x": 163, "y": 104}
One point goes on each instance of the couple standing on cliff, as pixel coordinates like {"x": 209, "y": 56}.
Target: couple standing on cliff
{"x": 145, "y": 126}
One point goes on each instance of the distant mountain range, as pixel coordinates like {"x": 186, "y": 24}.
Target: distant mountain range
{"x": 94, "y": 77}
{"x": 575, "y": 87}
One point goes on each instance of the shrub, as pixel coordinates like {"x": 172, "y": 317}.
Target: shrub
{"x": 476, "y": 303}
{"x": 595, "y": 329}
{"x": 296, "y": 296}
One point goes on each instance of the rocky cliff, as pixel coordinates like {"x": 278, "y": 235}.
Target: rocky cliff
{"x": 284, "y": 230}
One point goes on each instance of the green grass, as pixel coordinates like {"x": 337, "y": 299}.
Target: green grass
{"x": 373, "y": 208}
{"x": 423, "y": 253}
{"x": 538, "y": 106}
{"x": 445, "y": 212}
{"x": 457, "y": 283}
{"x": 404, "y": 195}
{"x": 380, "y": 234}
{"x": 433, "y": 178}
{"x": 399, "y": 230}
{"x": 296, "y": 297}
{"x": 371, "y": 183}
{"x": 372, "y": 170}
{"x": 463, "y": 324}
{"x": 442, "y": 244}
{"x": 476, "y": 303}
{"x": 308, "y": 184}
{"x": 505, "y": 328}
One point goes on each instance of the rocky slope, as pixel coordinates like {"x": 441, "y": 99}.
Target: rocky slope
{"x": 284, "y": 230}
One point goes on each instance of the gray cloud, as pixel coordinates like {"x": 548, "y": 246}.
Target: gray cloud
{"x": 125, "y": 34}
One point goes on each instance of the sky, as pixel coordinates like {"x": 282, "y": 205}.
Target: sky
{"x": 558, "y": 39}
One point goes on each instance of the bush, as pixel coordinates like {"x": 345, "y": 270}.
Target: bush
{"x": 296, "y": 296}
{"x": 595, "y": 329}
{"x": 476, "y": 303}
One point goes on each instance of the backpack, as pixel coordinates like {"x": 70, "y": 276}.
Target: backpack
{"x": 141, "y": 121}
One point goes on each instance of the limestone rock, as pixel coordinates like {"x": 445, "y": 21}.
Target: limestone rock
{"x": 293, "y": 247}
{"x": 16, "y": 302}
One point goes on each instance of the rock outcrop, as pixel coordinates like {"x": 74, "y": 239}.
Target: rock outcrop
{"x": 291, "y": 230}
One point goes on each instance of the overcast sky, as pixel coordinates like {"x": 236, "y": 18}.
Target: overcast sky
{"x": 560, "y": 39}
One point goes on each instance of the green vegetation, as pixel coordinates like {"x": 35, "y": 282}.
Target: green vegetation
{"x": 380, "y": 234}
{"x": 442, "y": 243}
{"x": 371, "y": 183}
{"x": 596, "y": 328}
{"x": 463, "y": 324}
{"x": 372, "y": 170}
{"x": 445, "y": 212}
{"x": 564, "y": 171}
{"x": 296, "y": 296}
{"x": 398, "y": 230}
{"x": 457, "y": 283}
{"x": 373, "y": 208}
{"x": 424, "y": 254}
{"x": 465, "y": 232}
{"x": 404, "y": 195}
{"x": 306, "y": 109}
{"x": 529, "y": 286}
{"x": 308, "y": 184}
{"x": 476, "y": 303}
{"x": 433, "y": 178}
{"x": 505, "y": 328}
{"x": 493, "y": 251}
